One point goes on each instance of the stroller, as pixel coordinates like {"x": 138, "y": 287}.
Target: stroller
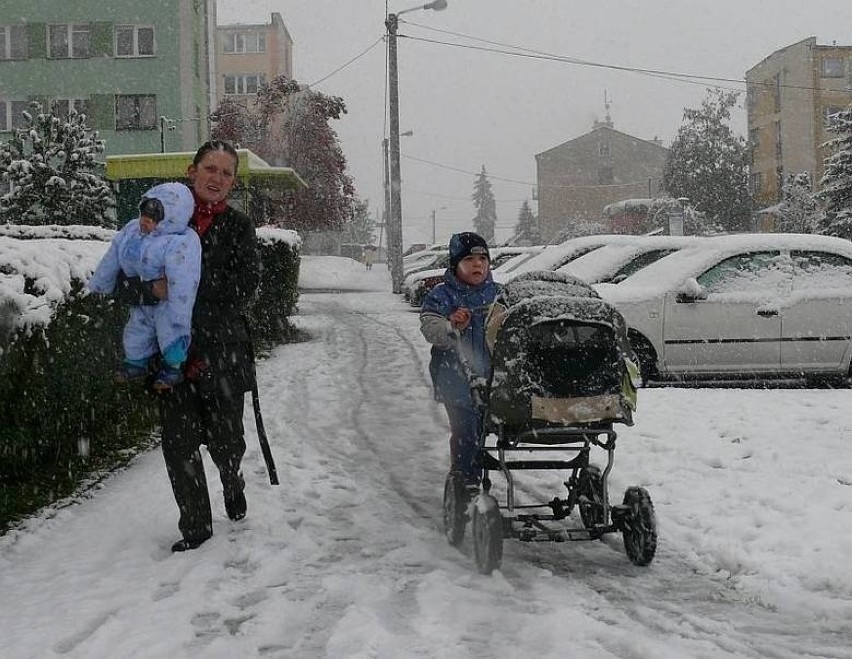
{"x": 563, "y": 374}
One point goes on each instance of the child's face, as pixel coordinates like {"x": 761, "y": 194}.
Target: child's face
{"x": 473, "y": 269}
{"x": 146, "y": 224}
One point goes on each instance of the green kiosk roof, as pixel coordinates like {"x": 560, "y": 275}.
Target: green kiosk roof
{"x": 252, "y": 168}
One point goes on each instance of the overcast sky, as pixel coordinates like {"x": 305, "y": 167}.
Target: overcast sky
{"x": 469, "y": 107}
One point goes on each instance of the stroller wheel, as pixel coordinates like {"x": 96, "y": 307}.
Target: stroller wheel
{"x": 639, "y": 526}
{"x": 455, "y": 508}
{"x": 487, "y": 529}
{"x": 590, "y": 492}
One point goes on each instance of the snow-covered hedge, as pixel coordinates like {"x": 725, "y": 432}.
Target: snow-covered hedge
{"x": 59, "y": 344}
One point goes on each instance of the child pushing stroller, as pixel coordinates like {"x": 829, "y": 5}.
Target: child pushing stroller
{"x": 457, "y": 308}
{"x": 560, "y": 374}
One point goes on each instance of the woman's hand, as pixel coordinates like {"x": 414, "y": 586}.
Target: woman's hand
{"x": 160, "y": 288}
{"x": 460, "y": 318}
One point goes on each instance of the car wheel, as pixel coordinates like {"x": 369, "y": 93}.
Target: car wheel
{"x": 647, "y": 357}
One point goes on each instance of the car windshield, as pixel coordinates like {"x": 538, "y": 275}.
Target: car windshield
{"x": 637, "y": 263}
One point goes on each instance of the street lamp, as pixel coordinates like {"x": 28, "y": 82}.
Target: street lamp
{"x": 395, "y": 220}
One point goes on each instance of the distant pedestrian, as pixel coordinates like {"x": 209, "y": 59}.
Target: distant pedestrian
{"x": 369, "y": 257}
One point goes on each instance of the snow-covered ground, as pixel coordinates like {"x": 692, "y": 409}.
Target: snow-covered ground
{"x": 346, "y": 558}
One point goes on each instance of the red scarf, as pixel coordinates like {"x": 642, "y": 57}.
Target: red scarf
{"x": 204, "y": 213}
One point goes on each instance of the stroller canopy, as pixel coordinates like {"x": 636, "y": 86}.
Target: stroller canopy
{"x": 560, "y": 356}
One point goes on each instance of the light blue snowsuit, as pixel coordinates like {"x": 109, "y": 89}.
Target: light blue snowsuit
{"x": 172, "y": 250}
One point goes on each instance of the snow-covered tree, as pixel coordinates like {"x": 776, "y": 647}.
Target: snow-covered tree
{"x": 799, "y": 211}
{"x": 49, "y": 166}
{"x": 526, "y": 230}
{"x": 486, "y": 207}
{"x": 708, "y": 164}
{"x": 288, "y": 125}
{"x": 836, "y": 182}
{"x": 661, "y": 209}
{"x": 361, "y": 227}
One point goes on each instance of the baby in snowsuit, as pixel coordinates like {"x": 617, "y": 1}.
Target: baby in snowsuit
{"x": 158, "y": 244}
{"x": 461, "y": 304}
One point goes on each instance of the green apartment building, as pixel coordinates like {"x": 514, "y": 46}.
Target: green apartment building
{"x": 141, "y": 70}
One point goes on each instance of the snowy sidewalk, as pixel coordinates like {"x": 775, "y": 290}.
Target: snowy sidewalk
{"x": 346, "y": 558}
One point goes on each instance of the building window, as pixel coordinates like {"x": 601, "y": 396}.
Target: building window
{"x": 11, "y": 114}
{"x": 68, "y": 41}
{"x": 244, "y": 42}
{"x": 244, "y": 84}
{"x": 779, "y": 143}
{"x": 756, "y": 183}
{"x": 777, "y": 92}
{"x": 60, "y": 107}
{"x": 134, "y": 40}
{"x": 833, "y": 67}
{"x": 135, "y": 112}
{"x": 13, "y": 42}
{"x": 828, "y": 114}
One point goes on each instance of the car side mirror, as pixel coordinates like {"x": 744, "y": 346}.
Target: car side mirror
{"x": 691, "y": 291}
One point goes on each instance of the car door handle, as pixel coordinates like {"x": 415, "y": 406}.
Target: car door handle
{"x": 766, "y": 313}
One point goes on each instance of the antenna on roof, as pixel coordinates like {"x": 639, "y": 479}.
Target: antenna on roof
{"x": 607, "y": 104}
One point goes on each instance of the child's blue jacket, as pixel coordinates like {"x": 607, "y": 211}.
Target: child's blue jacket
{"x": 171, "y": 250}
{"x": 450, "y": 383}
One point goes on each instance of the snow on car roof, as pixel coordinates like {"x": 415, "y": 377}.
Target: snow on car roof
{"x": 605, "y": 261}
{"x": 671, "y": 271}
{"x": 555, "y": 255}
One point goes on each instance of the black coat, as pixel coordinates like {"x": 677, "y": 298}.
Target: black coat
{"x": 230, "y": 273}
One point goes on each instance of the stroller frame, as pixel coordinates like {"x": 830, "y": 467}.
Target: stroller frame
{"x": 594, "y": 505}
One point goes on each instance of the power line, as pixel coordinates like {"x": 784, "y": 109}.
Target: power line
{"x": 354, "y": 59}
{"x": 532, "y": 53}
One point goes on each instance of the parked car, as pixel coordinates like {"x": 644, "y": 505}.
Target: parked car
{"x": 556, "y": 256}
{"x": 617, "y": 261}
{"x": 430, "y": 261}
{"x": 756, "y": 306}
{"x": 419, "y": 283}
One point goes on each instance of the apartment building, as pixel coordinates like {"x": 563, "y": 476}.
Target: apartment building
{"x": 141, "y": 71}
{"x": 576, "y": 180}
{"x": 250, "y": 55}
{"x": 791, "y": 96}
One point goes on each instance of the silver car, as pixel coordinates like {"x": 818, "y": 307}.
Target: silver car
{"x": 756, "y": 306}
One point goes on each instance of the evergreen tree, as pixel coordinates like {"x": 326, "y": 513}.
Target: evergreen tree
{"x": 526, "y": 230}
{"x": 50, "y": 168}
{"x": 708, "y": 164}
{"x": 799, "y": 211}
{"x": 288, "y": 125}
{"x": 836, "y": 182}
{"x": 361, "y": 226}
{"x": 486, "y": 208}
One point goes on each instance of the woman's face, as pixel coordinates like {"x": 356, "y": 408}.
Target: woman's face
{"x": 213, "y": 177}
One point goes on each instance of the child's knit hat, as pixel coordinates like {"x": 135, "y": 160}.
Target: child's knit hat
{"x": 464, "y": 244}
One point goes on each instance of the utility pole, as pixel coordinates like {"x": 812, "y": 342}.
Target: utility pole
{"x": 395, "y": 219}
{"x": 394, "y": 227}
{"x": 433, "y": 227}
